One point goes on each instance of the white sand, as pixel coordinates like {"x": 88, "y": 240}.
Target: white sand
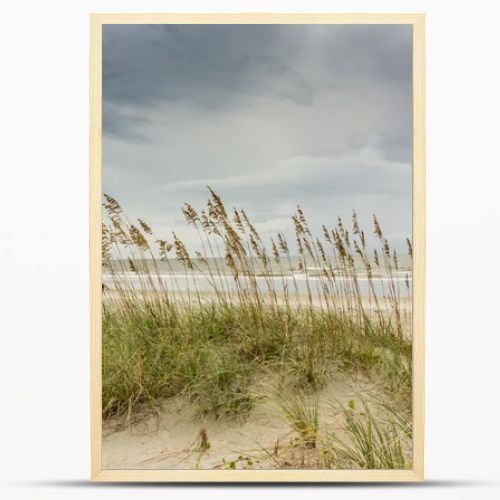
{"x": 171, "y": 441}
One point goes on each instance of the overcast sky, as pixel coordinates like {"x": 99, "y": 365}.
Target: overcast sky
{"x": 270, "y": 116}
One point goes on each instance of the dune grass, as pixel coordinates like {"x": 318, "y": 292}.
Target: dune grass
{"x": 161, "y": 342}
{"x": 376, "y": 436}
{"x": 369, "y": 434}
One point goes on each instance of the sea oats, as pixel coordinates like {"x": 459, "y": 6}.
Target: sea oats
{"x": 410, "y": 248}
{"x": 211, "y": 346}
{"x": 145, "y": 227}
{"x": 377, "y": 230}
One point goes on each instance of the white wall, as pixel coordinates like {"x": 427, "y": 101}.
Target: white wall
{"x": 44, "y": 414}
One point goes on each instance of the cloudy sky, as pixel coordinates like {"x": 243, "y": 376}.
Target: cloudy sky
{"x": 270, "y": 116}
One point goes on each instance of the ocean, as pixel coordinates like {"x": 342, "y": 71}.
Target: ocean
{"x": 173, "y": 275}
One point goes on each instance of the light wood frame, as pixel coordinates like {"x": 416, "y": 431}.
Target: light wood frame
{"x": 277, "y": 475}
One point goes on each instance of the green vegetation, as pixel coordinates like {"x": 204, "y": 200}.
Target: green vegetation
{"x": 160, "y": 342}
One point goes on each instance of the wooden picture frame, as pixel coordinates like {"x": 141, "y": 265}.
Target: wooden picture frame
{"x": 417, "y": 474}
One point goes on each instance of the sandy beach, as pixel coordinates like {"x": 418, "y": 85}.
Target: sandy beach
{"x": 262, "y": 440}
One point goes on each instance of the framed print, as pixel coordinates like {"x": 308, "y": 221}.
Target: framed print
{"x": 257, "y": 247}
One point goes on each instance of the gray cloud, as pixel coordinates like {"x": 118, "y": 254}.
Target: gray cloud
{"x": 270, "y": 116}
{"x": 375, "y": 53}
{"x": 214, "y": 66}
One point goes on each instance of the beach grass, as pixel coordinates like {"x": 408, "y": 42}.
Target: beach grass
{"x": 161, "y": 342}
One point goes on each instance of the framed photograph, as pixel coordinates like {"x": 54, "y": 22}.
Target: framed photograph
{"x": 257, "y": 247}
